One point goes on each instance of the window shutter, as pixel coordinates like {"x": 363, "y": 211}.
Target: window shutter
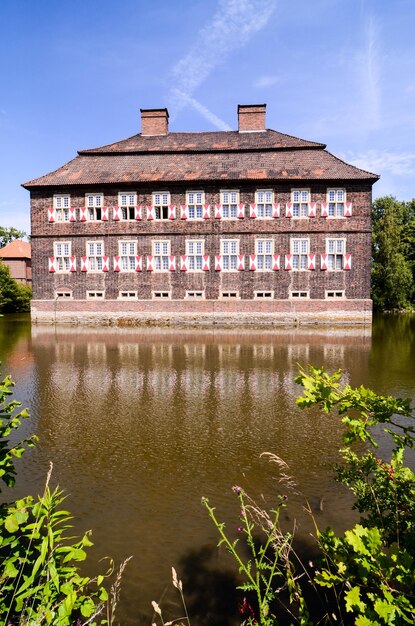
{"x": 72, "y": 267}
{"x": 241, "y": 261}
{"x": 324, "y": 209}
{"x": 82, "y": 214}
{"x": 172, "y": 263}
{"x": 240, "y": 211}
{"x": 138, "y": 212}
{"x": 347, "y": 209}
{"x": 323, "y": 262}
{"x": 312, "y": 209}
{"x": 105, "y": 263}
{"x": 347, "y": 262}
{"x": 84, "y": 265}
{"x": 138, "y": 264}
{"x": 72, "y": 215}
{"x": 275, "y": 261}
{"x": 105, "y": 214}
{"x": 183, "y": 263}
{"x": 289, "y": 209}
{"x": 288, "y": 262}
{"x": 218, "y": 211}
{"x": 206, "y": 263}
{"x": 149, "y": 263}
{"x": 206, "y": 211}
{"x": 218, "y": 263}
{"x": 252, "y": 262}
{"x": 117, "y": 264}
{"x": 51, "y": 215}
{"x": 150, "y": 213}
{"x": 116, "y": 214}
{"x": 52, "y": 264}
{"x": 184, "y": 212}
{"x": 276, "y": 209}
{"x": 172, "y": 212}
{"x": 252, "y": 210}
{"x": 311, "y": 261}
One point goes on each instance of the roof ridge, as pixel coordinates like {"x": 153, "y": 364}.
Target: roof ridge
{"x": 352, "y": 165}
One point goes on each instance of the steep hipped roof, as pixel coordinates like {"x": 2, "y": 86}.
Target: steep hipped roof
{"x": 16, "y": 249}
{"x": 229, "y": 155}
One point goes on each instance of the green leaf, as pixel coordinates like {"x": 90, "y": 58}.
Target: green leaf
{"x": 11, "y": 523}
{"x": 353, "y": 600}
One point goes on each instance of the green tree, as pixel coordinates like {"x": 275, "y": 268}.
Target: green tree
{"x": 9, "y": 234}
{"x": 14, "y": 297}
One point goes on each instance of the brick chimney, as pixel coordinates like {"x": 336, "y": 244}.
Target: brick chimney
{"x": 154, "y": 121}
{"x": 251, "y": 117}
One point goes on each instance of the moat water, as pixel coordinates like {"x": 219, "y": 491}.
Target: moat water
{"x": 141, "y": 424}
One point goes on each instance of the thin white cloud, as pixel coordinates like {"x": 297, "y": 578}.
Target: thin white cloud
{"x": 265, "y": 81}
{"x": 379, "y": 161}
{"x": 211, "y": 117}
{"x": 233, "y": 24}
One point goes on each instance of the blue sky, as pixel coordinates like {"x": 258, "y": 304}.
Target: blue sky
{"x": 74, "y": 74}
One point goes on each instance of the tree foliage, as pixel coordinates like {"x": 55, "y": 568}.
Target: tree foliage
{"x": 14, "y": 297}
{"x": 9, "y": 234}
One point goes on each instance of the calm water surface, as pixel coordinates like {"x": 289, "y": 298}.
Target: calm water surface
{"x": 141, "y": 424}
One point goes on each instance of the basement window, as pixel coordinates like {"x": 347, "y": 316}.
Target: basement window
{"x": 127, "y": 295}
{"x": 299, "y": 294}
{"x": 262, "y": 295}
{"x": 95, "y": 295}
{"x": 63, "y": 295}
{"x": 195, "y": 295}
{"x": 330, "y": 295}
{"x": 161, "y": 295}
{"x": 229, "y": 295}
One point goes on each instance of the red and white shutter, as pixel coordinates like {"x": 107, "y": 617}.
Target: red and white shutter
{"x": 105, "y": 263}
{"x": 323, "y": 261}
{"x": 82, "y": 214}
{"x": 206, "y": 211}
{"x": 252, "y": 210}
{"x": 218, "y": 211}
{"x": 276, "y": 209}
{"x": 183, "y": 263}
{"x": 51, "y": 215}
{"x": 324, "y": 209}
{"x": 138, "y": 212}
{"x": 275, "y": 262}
{"x": 184, "y": 212}
{"x": 72, "y": 266}
{"x": 218, "y": 263}
{"x": 116, "y": 213}
{"x": 138, "y": 264}
{"x": 347, "y": 262}
{"x": 117, "y": 267}
{"x": 311, "y": 261}
{"x": 206, "y": 263}
{"x": 289, "y": 209}
{"x": 172, "y": 263}
{"x": 150, "y": 259}
{"x": 241, "y": 262}
{"x": 312, "y": 207}
{"x": 52, "y": 264}
{"x": 84, "y": 264}
{"x": 72, "y": 215}
{"x": 240, "y": 211}
{"x": 172, "y": 212}
{"x": 105, "y": 214}
{"x": 347, "y": 209}
{"x": 151, "y": 215}
{"x": 252, "y": 262}
{"x": 288, "y": 261}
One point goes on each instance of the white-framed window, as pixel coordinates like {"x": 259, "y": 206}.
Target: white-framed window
{"x": 161, "y": 201}
{"x": 95, "y": 295}
{"x": 229, "y": 249}
{"x": 195, "y": 201}
{"x": 62, "y": 204}
{"x": 161, "y": 253}
{"x": 264, "y": 249}
{"x": 300, "y": 199}
{"x": 127, "y": 295}
{"x": 229, "y": 295}
{"x": 299, "y": 250}
{"x": 62, "y": 253}
{"x": 336, "y": 199}
{"x": 335, "y": 250}
{"x": 299, "y": 294}
{"x": 195, "y": 249}
{"x": 95, "y": 253}
{"x": 195, "y": 295}
{"x": 127, "y": 202}
{"x": 263, "y": 295}
{"x": 161, "y": 295}
{"x": 335, "y": 294}
{"x": 264, "y": 199}
{"x": 63, "y": 295}
{"x": 94, "y": 203}
{"x": 229, "y": 201}
{"x": 127, "y": 251}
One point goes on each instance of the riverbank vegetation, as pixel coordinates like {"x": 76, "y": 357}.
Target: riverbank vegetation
{"x": 14, "y": 297}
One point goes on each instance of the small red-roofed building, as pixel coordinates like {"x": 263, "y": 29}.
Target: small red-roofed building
{"x": 17, "y": 256}
{"x": 250, "y": 226}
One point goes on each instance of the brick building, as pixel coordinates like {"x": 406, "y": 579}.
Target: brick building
{"x": 17, "y": 255}
{"x": 250, "y": 225}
